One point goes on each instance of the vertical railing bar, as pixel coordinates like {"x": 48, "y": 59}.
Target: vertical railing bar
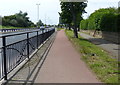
{"x": 4, "y": 55}
{"x": 37, "y": 39}
{"x": 28, "y": 45}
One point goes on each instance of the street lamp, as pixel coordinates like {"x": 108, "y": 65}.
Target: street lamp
{"x": 38, "y": 12}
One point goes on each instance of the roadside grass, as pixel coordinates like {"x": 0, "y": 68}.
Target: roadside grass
{"x": 58, "y": 29}
{"x": 7, "y": 27}
{"x": 101, "y": 63}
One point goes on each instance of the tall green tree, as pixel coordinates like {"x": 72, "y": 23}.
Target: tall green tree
{"x": 72, "y": 13}
{"x": 66, "y": 17}
{"x": 39, "y": 23}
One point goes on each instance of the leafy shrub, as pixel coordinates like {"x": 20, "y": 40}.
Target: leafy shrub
{"x": 109, "y": 22}
{"x": 84, "y": 24}
{"x": 91, "y": 24}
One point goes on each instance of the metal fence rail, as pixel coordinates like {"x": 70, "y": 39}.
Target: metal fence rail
{"x": 15, "y": 30}
{"x": 11, "y": 55}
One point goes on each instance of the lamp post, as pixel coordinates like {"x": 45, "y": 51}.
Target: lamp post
{"x": 38, "y": 12}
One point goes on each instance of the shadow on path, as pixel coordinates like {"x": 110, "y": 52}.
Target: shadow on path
{"x": 110, "y": 47}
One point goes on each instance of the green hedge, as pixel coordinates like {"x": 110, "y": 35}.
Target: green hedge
{"x": 109, "y": 22}
{"x": 118, "y": 22}
{"x": 103, "y": 19}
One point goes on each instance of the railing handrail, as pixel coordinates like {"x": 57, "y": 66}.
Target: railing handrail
{"x": 5, "y": 30}
{"x": 13, "y": 29}
{"x": 22, "y": 28}
{"x": 20, "y": 33}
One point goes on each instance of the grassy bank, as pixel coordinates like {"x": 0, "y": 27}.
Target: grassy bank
{"x": 97, "y": 59}
{"x": 8, "y": 27}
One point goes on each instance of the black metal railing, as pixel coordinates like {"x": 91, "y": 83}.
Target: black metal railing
{"x": 15, "y": 30}
{"x": 12, "y": 54}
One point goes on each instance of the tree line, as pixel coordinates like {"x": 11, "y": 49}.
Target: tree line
{"x": 104, "y": 19}
{"x": 19, "y": 20}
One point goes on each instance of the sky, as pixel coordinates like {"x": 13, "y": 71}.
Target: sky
{"x": 48, "y": 9}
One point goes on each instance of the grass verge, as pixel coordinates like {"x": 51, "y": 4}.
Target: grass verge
{"x": 8, "y": 27}
{"x": 58, "y": 29}
{"x": 97, "y": 59}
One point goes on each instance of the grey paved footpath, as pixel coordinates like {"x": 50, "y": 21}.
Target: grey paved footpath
{"x": 110, "y": 47}
{"x": 63, "y": 64}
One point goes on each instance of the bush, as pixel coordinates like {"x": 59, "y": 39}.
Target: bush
{"x": 118, "y": 23}
{"x": 91, "y": 24}
{"x": 84, "y": 24}
{"x": 109, "y": 22}
{"x": 17, "y": 20}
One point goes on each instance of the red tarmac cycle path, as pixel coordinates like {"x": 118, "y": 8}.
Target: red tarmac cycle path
{"x": 64, "y": 65}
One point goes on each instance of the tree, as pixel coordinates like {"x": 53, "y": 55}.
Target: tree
{"x": 22, "y": 19}
{"x": 72, "y": 13}
{"x": 66, "y": 17}
{"x": 17, "y": 20}
{"x": 6, "y": 20}
{"x": 39, "y": 23}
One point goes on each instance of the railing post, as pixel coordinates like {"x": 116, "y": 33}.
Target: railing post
{"x": 4, "y": 55}
{"x": 37, "y": 40}
{"x": 42, "y": 31}
{"x": 28, "y": 45}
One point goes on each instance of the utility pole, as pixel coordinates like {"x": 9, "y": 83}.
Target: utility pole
{"x": 38, "y": 12}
